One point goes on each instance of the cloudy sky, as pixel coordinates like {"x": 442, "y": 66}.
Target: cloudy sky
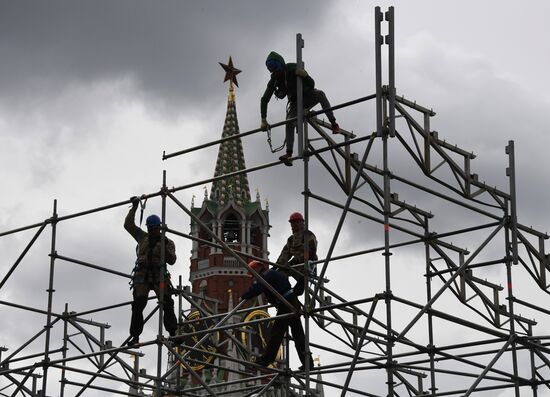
{"x": 92, "y": 93}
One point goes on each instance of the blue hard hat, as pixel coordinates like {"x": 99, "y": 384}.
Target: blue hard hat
{"x": 152, "y": 220}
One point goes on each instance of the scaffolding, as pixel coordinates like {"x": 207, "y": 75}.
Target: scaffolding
{"x": 462, "y": 337}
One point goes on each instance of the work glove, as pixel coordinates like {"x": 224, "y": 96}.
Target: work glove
{"x": 301, "y": 72}
{"x": 135, "y": 201}
{"x": 264, "y": 126}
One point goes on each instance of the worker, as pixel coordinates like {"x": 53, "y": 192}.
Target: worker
{"x": 283, "y": 83}
{"x": 146, "y": 275}
{"x": 294, "y": 253}
{"x": 279, "y": 282}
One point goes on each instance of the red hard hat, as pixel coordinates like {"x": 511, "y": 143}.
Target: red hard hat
{"x": 257, "y": 266}
{"x": 296, "y": 216}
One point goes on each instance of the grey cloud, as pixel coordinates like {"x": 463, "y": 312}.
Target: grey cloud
{"x": 164, "y": 46}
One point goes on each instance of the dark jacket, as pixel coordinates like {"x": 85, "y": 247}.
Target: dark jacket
{"x": 283, "y": 83}
{"x": 276, "y": 279}
{"x": 294, "y": 248}
{"x": 148, "y": 250}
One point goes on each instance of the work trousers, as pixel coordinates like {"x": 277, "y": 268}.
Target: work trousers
{"x": 278, "y": 330}
{"x": 310, "y": 100}
{"x": 143, "y": 284}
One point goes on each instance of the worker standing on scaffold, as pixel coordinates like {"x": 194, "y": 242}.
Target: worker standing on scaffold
{"x": 279, "y": 282}
{"x": 145, "y": 276}
{"x": 293, "y": 252}
{"x": 283, "y": 83}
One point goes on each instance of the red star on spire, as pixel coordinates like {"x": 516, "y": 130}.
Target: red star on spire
{"x": 230, "y": 72}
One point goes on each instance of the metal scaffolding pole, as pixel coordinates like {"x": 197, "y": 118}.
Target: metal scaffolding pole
{"x": 46, "y": 361}
{"x": 303, "y": 143}
{"x": 511, "y": 239}
{"x": 431, "y": 344}
{"x": 65, "y": 348}
{"x": 382, "y": 130}
{"x": 299, "y": 96}
{"x": 161, "y": 288}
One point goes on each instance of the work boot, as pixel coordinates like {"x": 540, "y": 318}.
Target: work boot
{"x": 134, "y": 341}
{"x": 335, "y": 127}
{"x": 285, "y": 158}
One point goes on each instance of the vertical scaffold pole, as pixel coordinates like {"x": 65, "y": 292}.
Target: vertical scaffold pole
{"x": 347, "y": 165}
{"x": 134, "y": 388}
{"x": 391, "y": 69}
{"x": 511, "y": 173}
{"x": 50, "y": 300}
{"x": 387, "y": 254}
{"x": 532, "y": 362}
{"x": 427, "y": 145}
{"x": 64, "y": 353}
{"x": 431, "y": 344}
{"x": 180, "y": 319}
{"x": 378, "y": 40}
{"x": 384, "y": 132}
{"x": 299, "y": 95}
{"x": 303, "y": 144}
{"x": 512, "y": 253}
{"x": 307, "y": 297}
{"x": 162, "y": 286}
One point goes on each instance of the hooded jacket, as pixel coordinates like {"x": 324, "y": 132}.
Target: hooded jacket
{"x": 283, "y": 83}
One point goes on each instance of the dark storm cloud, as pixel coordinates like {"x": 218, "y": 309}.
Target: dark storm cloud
{"x": 164, "y": 46}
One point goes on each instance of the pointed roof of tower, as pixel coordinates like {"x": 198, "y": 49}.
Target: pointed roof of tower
{"x": 230, "y": 154}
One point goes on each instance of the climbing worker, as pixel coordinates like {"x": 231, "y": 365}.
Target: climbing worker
{"x": 279, "y": 282}
{"x": 283, "y": 83}
{"x": 146, "y": 275}
{"x": 294, "y": 253}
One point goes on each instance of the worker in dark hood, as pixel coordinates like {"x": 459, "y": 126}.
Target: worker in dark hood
{"x": 283, "y": 83}
{"x": 146, "y": 274}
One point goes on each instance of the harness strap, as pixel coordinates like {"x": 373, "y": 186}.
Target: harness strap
{"x": 277, "y": 149}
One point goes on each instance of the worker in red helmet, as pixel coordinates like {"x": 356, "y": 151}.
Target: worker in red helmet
{"x": 294, "y": 252}
{"x": 279, "y": 281}
{"x": 146, "y": 273}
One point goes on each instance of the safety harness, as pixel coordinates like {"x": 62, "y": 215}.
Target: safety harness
{"x": 277, "y": 149}
{"x": 149, "y": 274}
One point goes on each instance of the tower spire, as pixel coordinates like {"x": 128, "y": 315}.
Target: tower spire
{"x": 230, "y": 154}
{"x": 244, "y": 226}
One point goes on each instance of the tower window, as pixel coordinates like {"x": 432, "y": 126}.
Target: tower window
{"x": 231, "y": 229}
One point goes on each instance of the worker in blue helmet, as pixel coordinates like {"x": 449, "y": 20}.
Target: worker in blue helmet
{"x": 147, "y": 271}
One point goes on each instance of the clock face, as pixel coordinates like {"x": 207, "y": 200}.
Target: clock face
{"x": 197, "y": 360}
{"x": 255, "y": 336}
